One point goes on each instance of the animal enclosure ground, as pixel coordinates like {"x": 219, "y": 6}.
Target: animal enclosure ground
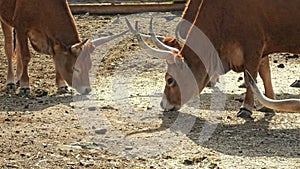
{"x": 122, "y": 125}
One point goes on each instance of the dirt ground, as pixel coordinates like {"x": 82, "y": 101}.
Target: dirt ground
{"x": 120, "y": 124}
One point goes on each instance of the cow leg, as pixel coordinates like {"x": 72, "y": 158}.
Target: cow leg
{"x": 246, "y": 109}
{"x": 252, "y": 63}
{"x": 8, "y": 38}
{"x": 22, "y": 43}
{"x": 265, "y": 74}
{"x": 19, "y": 63}
{"x": 62, "y": 86}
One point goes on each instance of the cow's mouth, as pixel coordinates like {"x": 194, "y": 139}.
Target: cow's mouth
{"x": 168, "y": 107}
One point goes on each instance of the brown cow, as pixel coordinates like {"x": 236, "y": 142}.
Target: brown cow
{"x": 51, "y": 29}
{"x": 292, "y": 105}
{"x": 229, "y": 35}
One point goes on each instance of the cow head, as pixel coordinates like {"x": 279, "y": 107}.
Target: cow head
{"x": 74, "y": 62}
{"x": 181, "y": 82}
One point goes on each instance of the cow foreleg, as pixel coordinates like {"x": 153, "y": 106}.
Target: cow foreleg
{"x": 8, "y": 38}
{"x": 61, "y": 84}
{"x": 246, "y": 109}
{"x": 22, "y": 43}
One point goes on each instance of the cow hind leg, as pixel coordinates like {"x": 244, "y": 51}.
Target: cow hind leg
{"x": 22, "y": 43}
{"x": 19, "y": 64}
{"x": 265, "y": 74}
{"x": 8, "y": 38}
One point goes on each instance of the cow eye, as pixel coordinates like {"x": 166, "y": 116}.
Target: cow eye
{"x": 76, "y": 70}
{"x": 170, "y": 81}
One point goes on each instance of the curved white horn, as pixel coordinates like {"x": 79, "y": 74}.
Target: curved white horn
{"x": 135, "y": 32}
{"x": 180, "y": 40}
{"x": 132, "y": 30}
{"x": 292, "y": 105}
{"x": 160, "y": 38}
{"x": 162, "y": 54}
{"x": 100, "y": 41}
{"x": 157, "y": 42}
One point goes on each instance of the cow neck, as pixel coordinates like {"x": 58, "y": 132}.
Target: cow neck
{"x": 68, "y": 33}
{"x": 191, "y": 10}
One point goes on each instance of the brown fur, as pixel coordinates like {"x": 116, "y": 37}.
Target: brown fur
{"x": 243, "y": 33}
{"x": 50, "y": 27}
{"x": 171, "y": 41}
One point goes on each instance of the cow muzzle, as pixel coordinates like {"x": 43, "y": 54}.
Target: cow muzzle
{"x": 166, "y": 106}
{"x": 83, "y": 90}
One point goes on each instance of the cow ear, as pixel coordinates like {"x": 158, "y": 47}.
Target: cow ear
{"x": 76, "y": 48}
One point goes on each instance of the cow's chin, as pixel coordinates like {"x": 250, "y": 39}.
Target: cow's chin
{"x": 166, "y": 106}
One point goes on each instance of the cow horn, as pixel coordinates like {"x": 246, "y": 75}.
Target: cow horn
{"x": 143, "y": 35}
{"x": 158, "y": 43}
{"x": 292, "y": 105}
{"x": 77, "y": 47}
{"x": 102, "y": 40}
{"x": 162, "y": 54}
{"x": 180, "y": 40}
{"x": 160, "y": 38}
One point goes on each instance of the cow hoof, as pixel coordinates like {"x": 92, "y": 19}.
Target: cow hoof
{"x": 10, "y": 86}
{"x": 40, "y": 93}
{"x": 243, "y": 85}
{"x": 244, "y": 113}
{"x": 265, "y": 109}
{"x": 63, "y": 90}
{"x": 211, "y": 84}
{"x": 296, "y": 84}
{"x": 24, "y": 91}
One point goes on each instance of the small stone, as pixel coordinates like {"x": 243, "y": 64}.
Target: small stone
{"x": 219, "y": 117}
{"x": 28, "y": 112}
{"x": 128, "y": 148}
{"x": 281, "y": 65}
{"x": 100, "y": 131}
{"x": 188, "y": 162}
{"x": 92, "y": 108}
{"x": 87, "y": 163}
{"x": 12, "y": 165}
{"x": 107, "y": 107}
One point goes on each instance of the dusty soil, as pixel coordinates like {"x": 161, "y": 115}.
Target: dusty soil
{"x": 121, "y": 125}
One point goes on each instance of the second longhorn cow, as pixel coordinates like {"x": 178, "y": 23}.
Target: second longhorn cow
{"x": 225, "y": 37}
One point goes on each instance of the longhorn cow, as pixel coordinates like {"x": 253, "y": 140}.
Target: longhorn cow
{"x": 51, "y": 29}
{"x": 224, "y": 37}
